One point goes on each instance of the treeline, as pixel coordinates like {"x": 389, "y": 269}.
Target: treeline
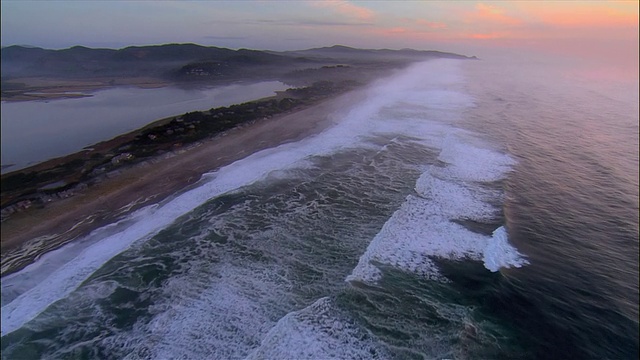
{"x": 197, "y": 125}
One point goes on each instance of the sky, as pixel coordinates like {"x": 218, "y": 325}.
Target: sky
{"x": 575, "y": 28}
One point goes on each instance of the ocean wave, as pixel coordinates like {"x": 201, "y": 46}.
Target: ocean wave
{"x": 318, "y": 332}
{"x": 423, "y": 227}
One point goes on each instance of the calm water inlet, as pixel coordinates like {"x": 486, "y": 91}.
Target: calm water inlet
{"x": 35, "y": 131}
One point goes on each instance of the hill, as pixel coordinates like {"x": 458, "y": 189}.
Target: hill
{"x": 184, "y": 62}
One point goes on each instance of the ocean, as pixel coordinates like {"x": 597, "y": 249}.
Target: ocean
{"x": 458, "y": 210}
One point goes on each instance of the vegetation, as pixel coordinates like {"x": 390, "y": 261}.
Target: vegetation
{"x": 317, "y": 74}
{"x": 36, "y": 186}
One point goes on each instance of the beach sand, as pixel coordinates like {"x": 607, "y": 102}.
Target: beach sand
{"x": 152, "y": 181}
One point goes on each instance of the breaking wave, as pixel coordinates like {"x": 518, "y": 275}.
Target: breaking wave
{"x": 249, "y": 262}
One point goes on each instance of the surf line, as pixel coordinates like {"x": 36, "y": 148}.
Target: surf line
{"x": 422, "y": 227}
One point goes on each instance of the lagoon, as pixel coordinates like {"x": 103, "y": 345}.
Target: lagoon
{"x": 36, "y": 131}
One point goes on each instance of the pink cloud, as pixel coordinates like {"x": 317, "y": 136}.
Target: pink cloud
{"x": 404, "y": 33}
{"x": 591, "y": 14}
{"x": 489, "y": 36}
{"x": 396, "y": 30}
{"x": 346, "y": 8}
{"x": 491, "y": 14}
{"x": 431, "y": 24}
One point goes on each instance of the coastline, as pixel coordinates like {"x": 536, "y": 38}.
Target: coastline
{"x": 28, "y": 235}
{"x": 44, "y": 89}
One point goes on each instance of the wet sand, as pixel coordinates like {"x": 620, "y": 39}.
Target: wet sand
{"x": 25, "y": 236}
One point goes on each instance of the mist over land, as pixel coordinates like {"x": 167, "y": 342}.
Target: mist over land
{"x": 33, "y": 73}
{"x": 336, "y": 202}
{"x": 191, "y": 63}
{"x": 338, "y": 208}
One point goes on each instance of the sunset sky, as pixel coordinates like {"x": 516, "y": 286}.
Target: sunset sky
{"x": 571, "y": 27}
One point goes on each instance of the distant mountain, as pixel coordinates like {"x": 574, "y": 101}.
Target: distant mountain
{"x": 185, "y": 61}
{"x": 340, "y": 52}
{"x": 82, "y": 62}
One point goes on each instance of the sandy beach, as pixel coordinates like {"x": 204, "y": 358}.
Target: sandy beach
{"x": 27, "y": 235}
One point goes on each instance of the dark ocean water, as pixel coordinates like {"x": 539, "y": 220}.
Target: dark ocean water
{"x": 463, "y": 210}
{"x": 572, "y": 207}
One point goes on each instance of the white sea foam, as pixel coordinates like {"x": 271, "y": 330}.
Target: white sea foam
{"x": 415, "y": 233}
{"x": 223, "y": 321}
{"x": 145, "y": 223}
{"x": 422, "y": 228}
{"x": 424, "y": 87}
{"x": 317, "y": 332}
{"x": 467, "y": 162}
{"x": 452, "y": 200}
{"x": 238, "y": 312}
{"x": 68, "y": 276}
{"x": 500, "y": 254}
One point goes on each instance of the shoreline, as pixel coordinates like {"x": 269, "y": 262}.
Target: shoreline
{"x": 45, "y": 89}
{"x": 28, "y": 235}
